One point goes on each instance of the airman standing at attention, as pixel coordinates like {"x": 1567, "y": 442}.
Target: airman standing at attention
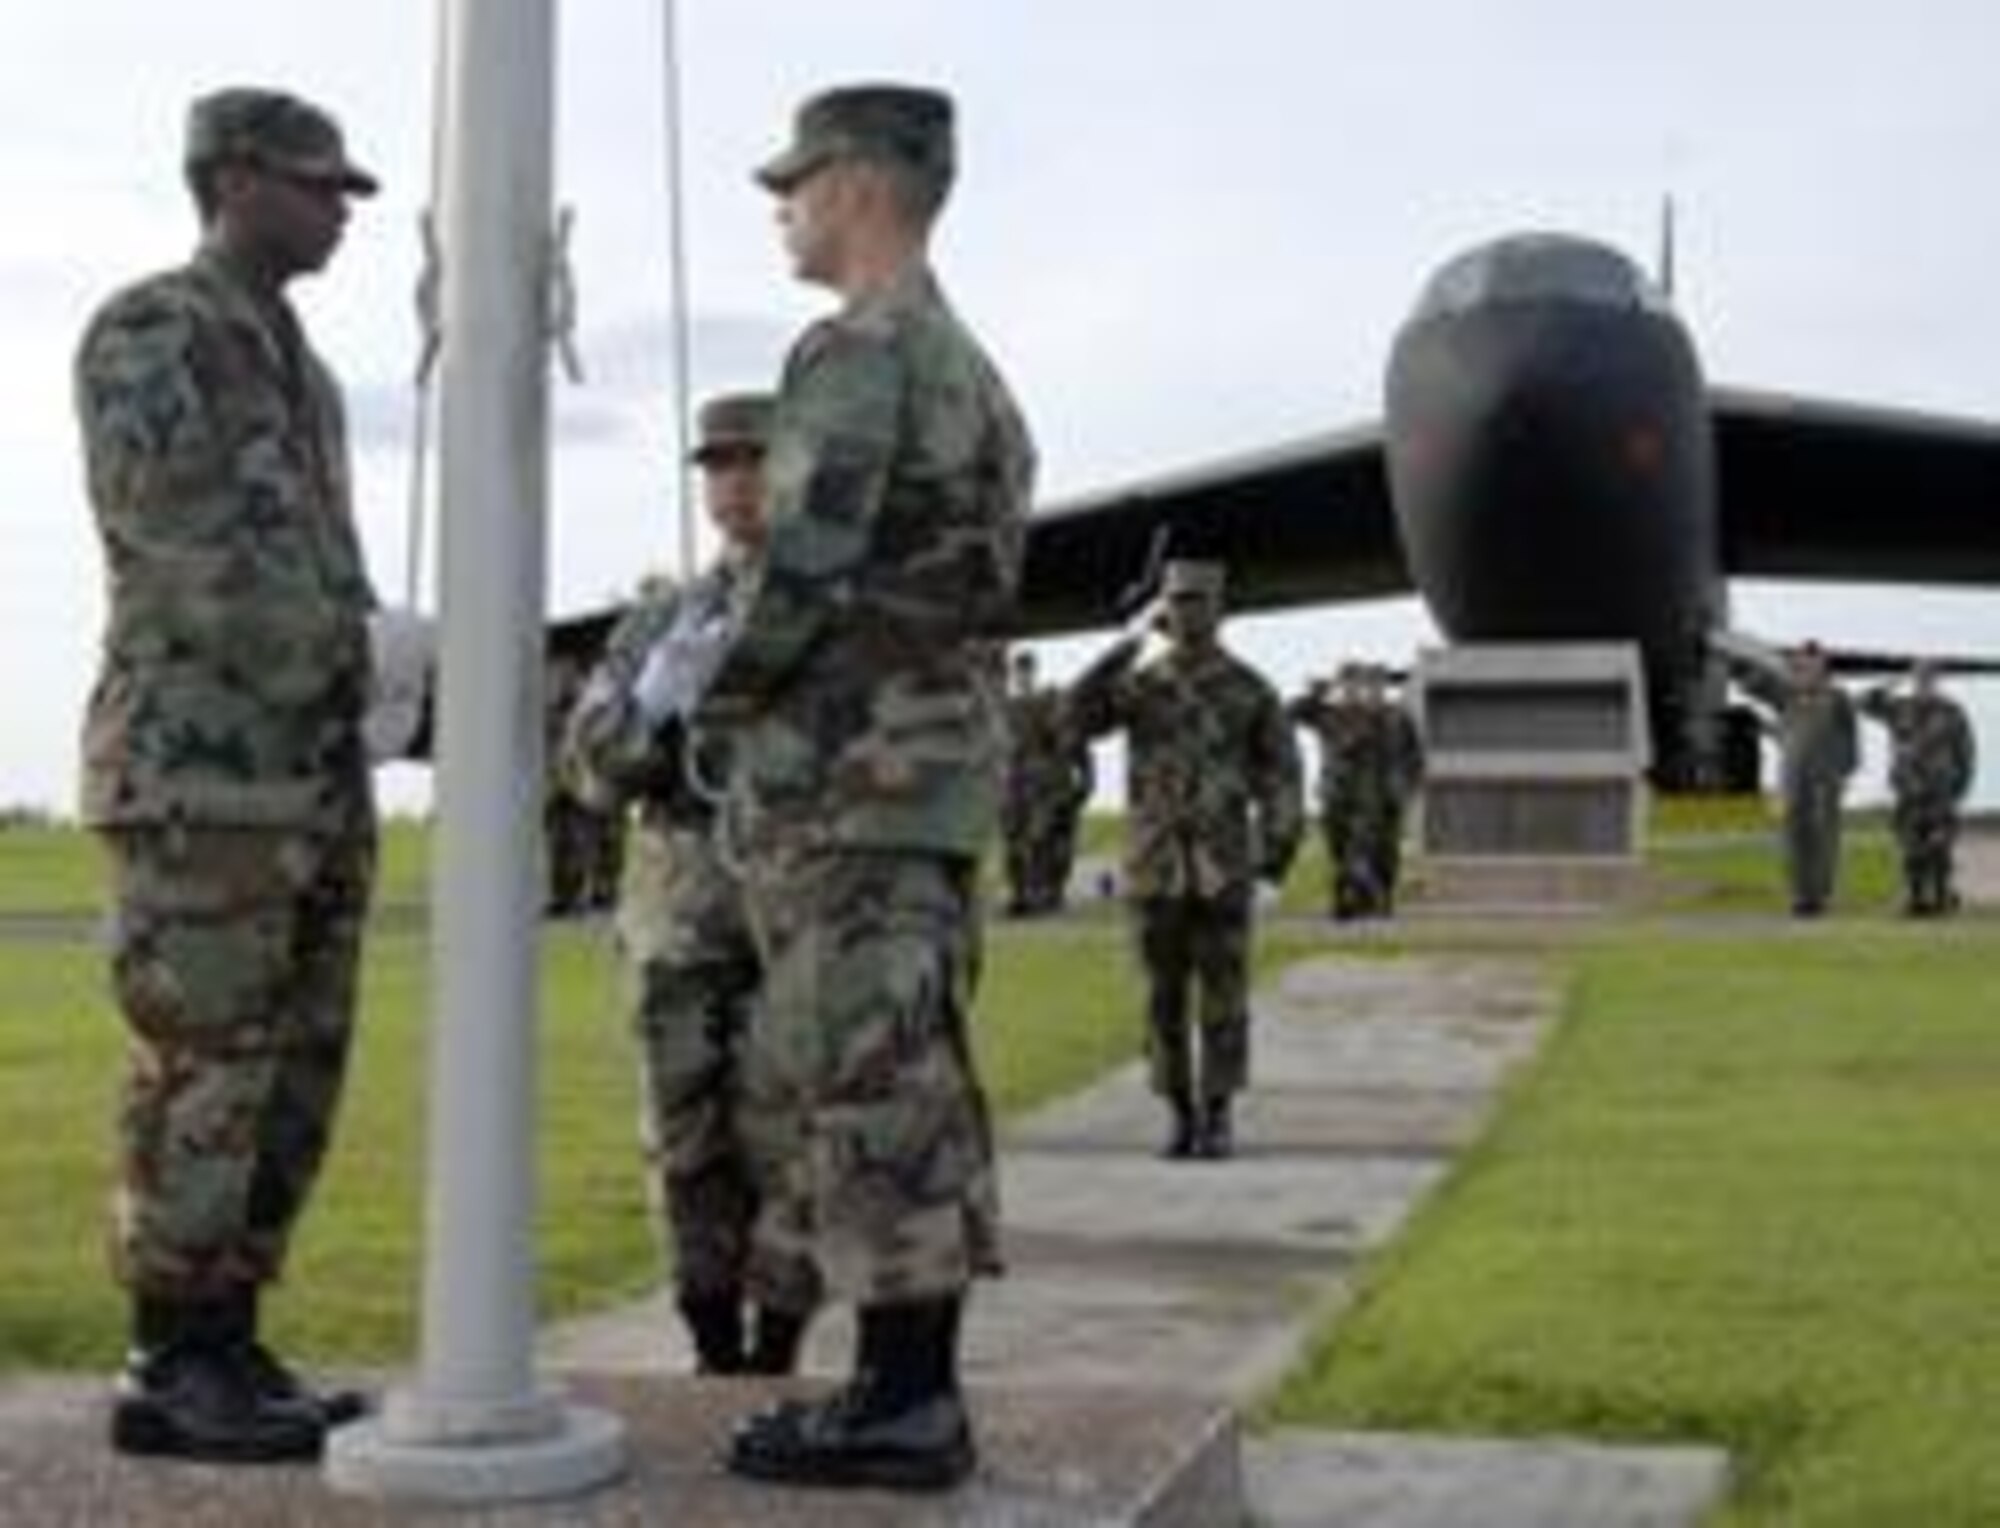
{"x": 1929, "y": 773}
{"x": 226, "y": 770}
{"x": 1215, "y": 806}
{"x": 863, "y": 695}
{"x": 1049, "y": 779}
{"x": 1813, "y": 722}
{"x": 566, "y": 816}
{"x": 718, "y": 1144}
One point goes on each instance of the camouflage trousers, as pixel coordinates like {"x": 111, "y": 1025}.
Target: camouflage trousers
{"x": 717, "y": 1143}
{"x": 1812, "y": 843}
{"x": 234, "y": 955}
{"x": 583, "y": 848}
{"x": 1040, "y": 848}
{"x": 870, "y": 962}
{"x": 1364, "y": 852}
{"x": 1189, "y": 945}
{"x": 1926, "y": 838}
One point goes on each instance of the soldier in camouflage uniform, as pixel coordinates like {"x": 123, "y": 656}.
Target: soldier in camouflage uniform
{"x": 583, "y": 839}
{"x": 863, "y": 696}
{"x": 603, "y": 858}
{"x": 715, "y": 1142}
{"x": 225, "y": 771}
{"x": 1049, "y": 779}
{"x": 566, "y": 815}
{"x": 1216, "y": 805}
{"x": 1929, "y": 773}
{"x": 1370, "y": 761}
{"x": 1813, "y": 721}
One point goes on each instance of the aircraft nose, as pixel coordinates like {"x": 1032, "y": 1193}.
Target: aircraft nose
{"x": 1549, "y": 470}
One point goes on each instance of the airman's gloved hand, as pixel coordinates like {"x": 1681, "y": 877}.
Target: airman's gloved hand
{"x": 675, "y": 676}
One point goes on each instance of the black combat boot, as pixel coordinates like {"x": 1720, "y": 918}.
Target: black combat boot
{"x": 715, "y": 1322}
{"x": 1348, "y": 899}
{"x": 187, "y": 1393}
{"x": 775, "y": 1347}
{"x": 1183, "y": 1138}
{"x": 899, "y": 1424}
{"x": 1217, "y": 1139}
{"x": 276, "y": 1379}
{"x": 1930, "y": 892}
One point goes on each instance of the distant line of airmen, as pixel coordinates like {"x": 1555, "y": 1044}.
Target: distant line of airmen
{"x": 1371, "y": 763}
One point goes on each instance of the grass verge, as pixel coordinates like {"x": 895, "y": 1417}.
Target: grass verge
{"x": 1745, "y": 1196}
{"x": 1054, "y": 1012}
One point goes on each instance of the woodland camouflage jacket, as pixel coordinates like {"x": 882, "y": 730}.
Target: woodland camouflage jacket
{"x": 234, "y": 666}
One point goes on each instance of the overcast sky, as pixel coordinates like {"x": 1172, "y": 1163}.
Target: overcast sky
{"x": 1184, "y": 229}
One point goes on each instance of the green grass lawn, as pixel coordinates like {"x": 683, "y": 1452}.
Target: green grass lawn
{"x": 354, "y": 1266}
{"x": 1053, "y": 1014}
{"x": 49, "y": 870}
{"x": 1703, "y": 855}
{"x": 1747, "y": 1196}
{"x": 58, "y": 869}
{"x": 1722, "y": 855}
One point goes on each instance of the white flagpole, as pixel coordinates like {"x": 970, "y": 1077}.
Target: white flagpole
{"x": 677, "y": 265}
{"x": 475, "y": 1425}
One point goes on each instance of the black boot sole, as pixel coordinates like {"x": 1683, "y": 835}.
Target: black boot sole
{"x": 143, "y": 1429}
{"x": 802, "y": 1443}
{"x": 339, "y": 1407}
{"x": 847, "y": 1472}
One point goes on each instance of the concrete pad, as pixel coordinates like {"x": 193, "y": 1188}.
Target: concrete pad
{"x": 1122, "y": 1117}
{"x": 1452, "y": 996}
{"x": 1390, "y": 1057}
{"x": 1528, "y": 884}
{"x": 1389, "y": 1480}
{"x": 1333, "y": 1206}
{"x": 1050, "y": 1459}
{"x": 1202, "y": 1322}
{"x": 1191, "y": 1324}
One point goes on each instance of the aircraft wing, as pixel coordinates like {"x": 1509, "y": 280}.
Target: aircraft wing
{"x": 1813, "y": 489}
{"x": 1744, "y": 649}
{"x": 1302, "y": 522}
{"x": 580, "y": 638}
{"x": 1307, "y": 521}
{"x": 1878, "y": 663}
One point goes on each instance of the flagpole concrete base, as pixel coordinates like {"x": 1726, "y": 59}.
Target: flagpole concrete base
{"x": 576, "y": 1450}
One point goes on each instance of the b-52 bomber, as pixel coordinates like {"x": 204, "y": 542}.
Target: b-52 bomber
{"x": 1552, "y": 465}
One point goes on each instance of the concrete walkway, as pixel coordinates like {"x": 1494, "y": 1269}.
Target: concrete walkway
{"x": 1204, "y": 1280}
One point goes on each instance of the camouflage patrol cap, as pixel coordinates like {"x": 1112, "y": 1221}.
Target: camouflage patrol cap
{"x": 1186, "y": 576}
{"x": 731, "y": 422}
{"x": 274, "y": 130}
{"x": 909, "y": 124}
